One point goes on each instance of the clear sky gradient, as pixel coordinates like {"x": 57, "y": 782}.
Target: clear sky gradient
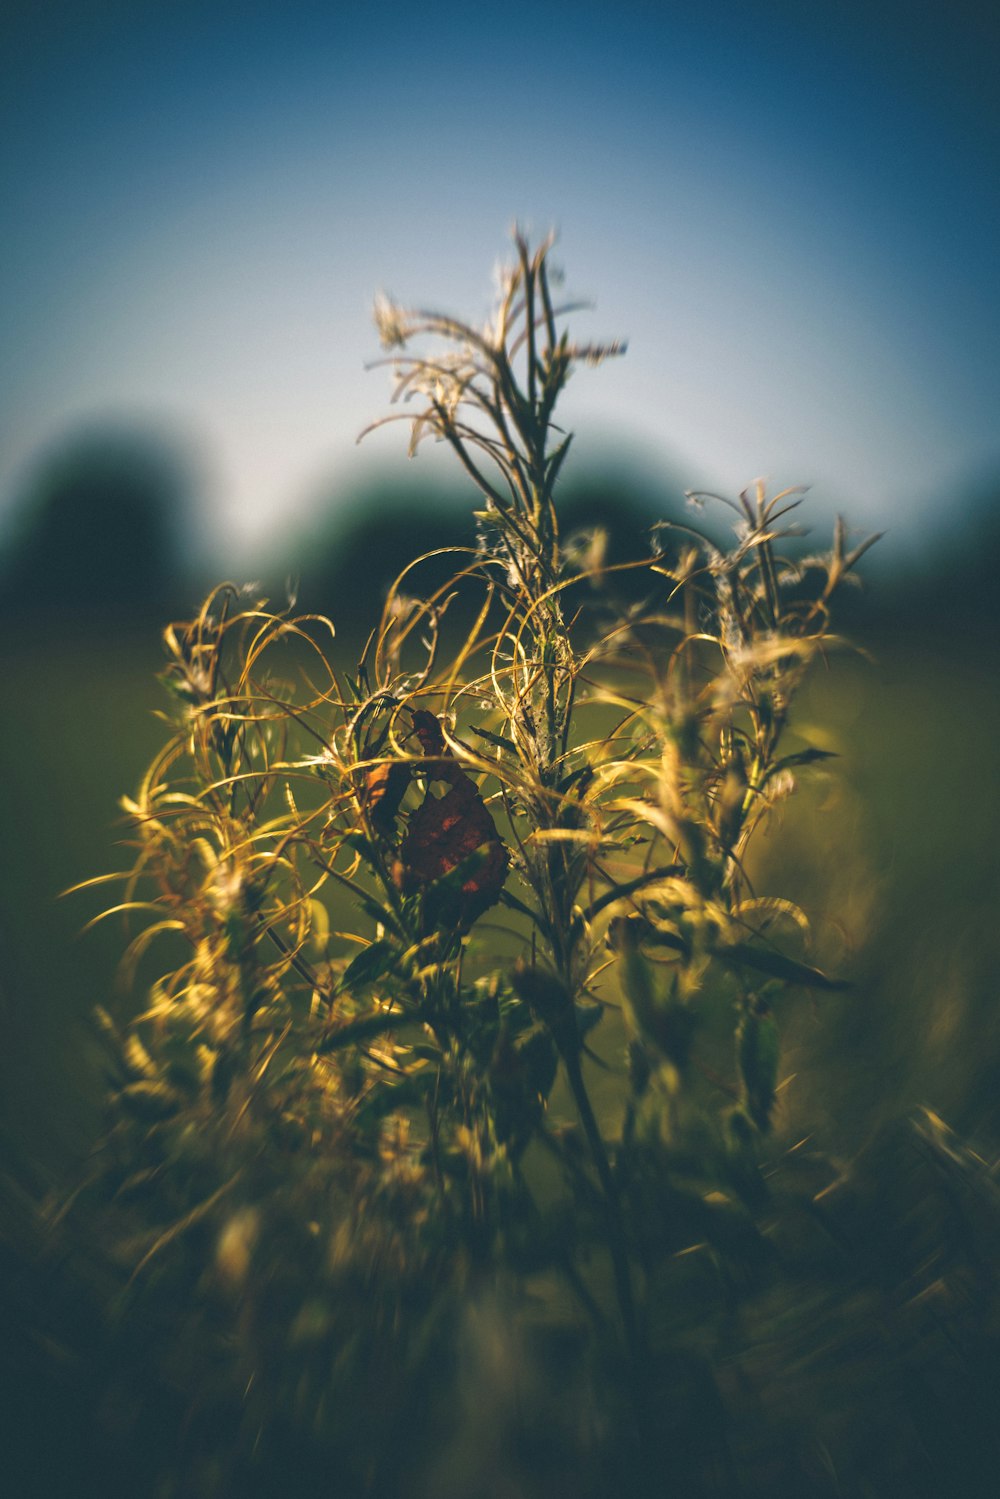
{"x": 791, "y": 212}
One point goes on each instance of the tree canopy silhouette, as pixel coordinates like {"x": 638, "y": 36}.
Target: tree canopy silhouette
{"x": 102, "y": 525}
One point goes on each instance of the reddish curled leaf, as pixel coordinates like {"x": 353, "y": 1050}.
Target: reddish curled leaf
{"x": 445, "y": 832}
{"x": 385, "y": 787}
{"x": 428, "y": 730}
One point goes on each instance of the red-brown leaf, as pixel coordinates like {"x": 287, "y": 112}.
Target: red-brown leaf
{"x": 445, "y": 831}
{"x": 385, "y": 787}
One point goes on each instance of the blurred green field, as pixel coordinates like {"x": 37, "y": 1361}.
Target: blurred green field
{"x": 890, "y": 850}
{"x": 906, "y": 862}
{"x": 80, "y": 727}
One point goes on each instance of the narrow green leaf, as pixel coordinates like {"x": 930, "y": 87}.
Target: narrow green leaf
{"x": 354, "y": 1032}
{"x": 776, "y": 965}
{"x": 741, "y": 954}
{"x": 363, "y": 846}
{"x": 370, "y": 964}
{"x": 801, "y": 757}
{"x": 508, "y": 899}
{"x": 629, "y": 887}
{"x": 497, "y": 740}
{"x": 582, "y": 772}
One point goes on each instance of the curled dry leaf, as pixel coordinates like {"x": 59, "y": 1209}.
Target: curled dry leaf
{"x": 385, "y": 787}
{"x": 446, "y": 832}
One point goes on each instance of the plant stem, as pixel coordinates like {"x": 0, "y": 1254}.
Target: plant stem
{"x": 609, "y": 1189}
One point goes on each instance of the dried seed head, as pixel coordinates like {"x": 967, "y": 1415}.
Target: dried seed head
{"x": 391, "y": 322}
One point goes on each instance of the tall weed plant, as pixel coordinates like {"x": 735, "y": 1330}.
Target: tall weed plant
{"x": 408, "y": 910}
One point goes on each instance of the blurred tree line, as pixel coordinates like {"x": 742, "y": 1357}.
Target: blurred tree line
{"x": 107, "y": 527}
{"x": 101, "y": 529}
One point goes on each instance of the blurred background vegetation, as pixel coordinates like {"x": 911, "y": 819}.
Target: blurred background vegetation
{"x": 105, "y": 549}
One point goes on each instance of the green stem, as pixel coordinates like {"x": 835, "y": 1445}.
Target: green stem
{"x": 612, "y": 1208}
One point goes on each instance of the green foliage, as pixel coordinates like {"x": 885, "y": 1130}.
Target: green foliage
{"x": 399, "y": 902}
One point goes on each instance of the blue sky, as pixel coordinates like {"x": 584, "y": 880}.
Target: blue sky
{"x": 791, "y": 212}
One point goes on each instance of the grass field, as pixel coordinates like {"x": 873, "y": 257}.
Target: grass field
{"x": 903, "y": 856}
